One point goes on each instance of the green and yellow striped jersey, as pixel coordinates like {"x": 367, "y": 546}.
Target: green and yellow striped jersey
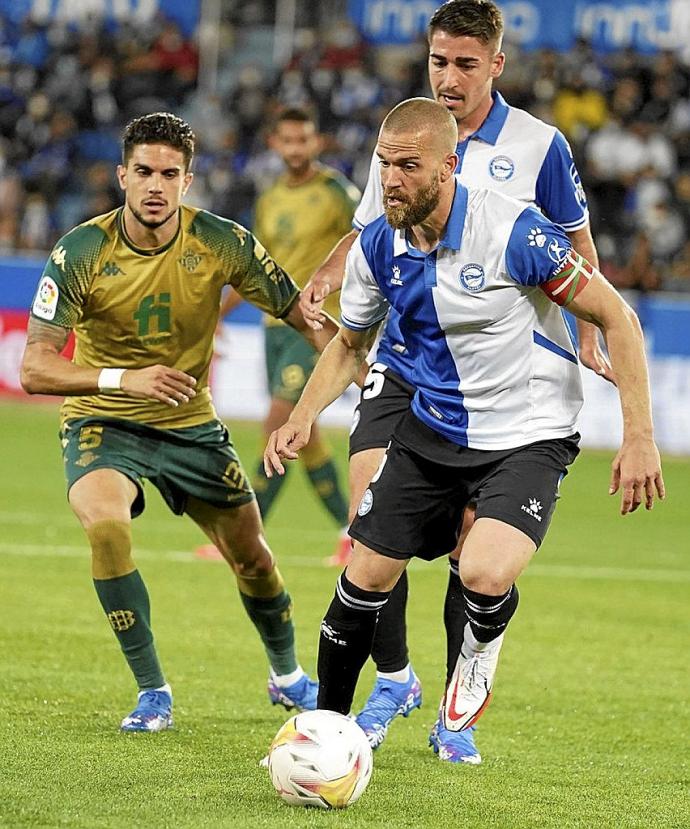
{"x": 132, "y": 308}
{"x": 300, "y": 224}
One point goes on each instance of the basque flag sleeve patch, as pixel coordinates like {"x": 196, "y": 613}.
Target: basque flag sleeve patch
{"x": 570, "y": 278}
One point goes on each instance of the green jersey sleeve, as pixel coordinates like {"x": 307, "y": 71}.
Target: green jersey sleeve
{"x": 64, "y": 284}
{"x": 346, "y": 197}
{"x": 248, "y": 267}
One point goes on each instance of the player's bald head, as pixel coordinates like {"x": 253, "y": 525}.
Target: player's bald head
{"x": 428, "y": 120}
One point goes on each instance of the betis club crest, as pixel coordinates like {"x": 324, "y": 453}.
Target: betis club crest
{"x": 189, "y": 260}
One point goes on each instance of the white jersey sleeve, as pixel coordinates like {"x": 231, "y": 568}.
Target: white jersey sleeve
{"x": 362, "y": 304}
{"x": 371, "y": 205}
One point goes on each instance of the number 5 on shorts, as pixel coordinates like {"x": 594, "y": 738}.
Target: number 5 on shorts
{"x": 374, "y": 381}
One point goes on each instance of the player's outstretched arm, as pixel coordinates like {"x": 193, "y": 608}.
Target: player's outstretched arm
{"x": 318, "y": 337}
{"x": 45, "y": 371}
{"x": 328, "y": 279}
{"x": 589, "y": 351}
{"x": 636, "y": 469}
{"x": 337, "y": 367}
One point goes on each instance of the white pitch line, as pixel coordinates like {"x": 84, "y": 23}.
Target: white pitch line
{"x": 575, "y": 571}
{"x": 169, "y": 525}
{"x": 554, "y": 571}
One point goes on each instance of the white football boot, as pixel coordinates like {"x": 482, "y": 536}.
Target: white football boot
{"x": 469, "y": 690}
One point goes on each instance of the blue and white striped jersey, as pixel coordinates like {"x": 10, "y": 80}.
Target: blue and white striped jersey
{"x": 513, "y": 153}
{"x": 492, "y": 359}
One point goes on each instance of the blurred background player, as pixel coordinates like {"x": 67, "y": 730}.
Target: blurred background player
{"x": 140, "y": 286}
{"x": 299, "y": 218}
{"x": 501, "y": 148}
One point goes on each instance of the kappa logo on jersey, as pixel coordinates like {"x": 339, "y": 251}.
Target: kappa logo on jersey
{"x": 47, "y": 295}
{"x": 366, "y": 503}
{"x": 395, "y": 279}
{"x": 501, "y": 168}
{"x": 59, "y": 255}
{"x": 536, "y": 238}
{"x": 241, "y": 233}
{"x": 111, "y": 269}
{"x": 472, "y": 277}
{"x": 557, "y": 252}
{"x": 533, "y": 509}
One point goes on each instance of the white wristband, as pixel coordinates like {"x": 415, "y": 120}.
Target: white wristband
{"x": 110, "y": 379}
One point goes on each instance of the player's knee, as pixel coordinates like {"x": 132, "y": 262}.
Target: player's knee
{"x": 258, "y": 567}
{"x": 89, "y": 516}
{"x": 259, "y": 582}
{"x": 111, "y": 549}
{"x": 489, "y": 583}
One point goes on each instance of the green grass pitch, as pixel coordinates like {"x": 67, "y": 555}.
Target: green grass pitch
{"x": 589, "y": 727}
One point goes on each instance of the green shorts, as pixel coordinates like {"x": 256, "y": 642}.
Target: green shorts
{"x": 199, "y": 460}
{"x": 290, "y": 360}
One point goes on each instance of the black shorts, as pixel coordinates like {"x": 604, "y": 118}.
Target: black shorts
{"x": 413, "y": 505}
{"x": 384, "y": 399}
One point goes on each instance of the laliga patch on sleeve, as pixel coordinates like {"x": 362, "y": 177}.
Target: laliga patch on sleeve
{"x": 45, "y": 304}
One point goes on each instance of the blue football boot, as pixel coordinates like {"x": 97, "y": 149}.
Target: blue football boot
{"x": 300, "y": 695}
{"x": 387, "y": 701}
{"x": 153, "y": 712}
{"x": 454, "y": 746}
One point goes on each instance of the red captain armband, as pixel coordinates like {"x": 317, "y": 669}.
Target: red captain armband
{"x": 572, "y": 276}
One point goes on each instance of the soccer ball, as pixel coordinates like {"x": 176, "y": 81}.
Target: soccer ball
{"x": 320, "y": 758}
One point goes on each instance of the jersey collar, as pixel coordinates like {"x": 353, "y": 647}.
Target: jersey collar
{"x": 146, "y": 251}
{"x": 494, "y": 121}
{"x": 452, "y": 237}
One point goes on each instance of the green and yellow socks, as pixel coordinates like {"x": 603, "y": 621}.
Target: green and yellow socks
{"x": 125, "y": 600}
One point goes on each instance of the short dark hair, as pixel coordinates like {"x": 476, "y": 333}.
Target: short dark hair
{"x": 469, "y": 18}
{"x": 294, "y": 114}
{"x": 159, "y": 128}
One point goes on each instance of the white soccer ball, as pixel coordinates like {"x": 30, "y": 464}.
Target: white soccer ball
{"x": 320, "y": 758}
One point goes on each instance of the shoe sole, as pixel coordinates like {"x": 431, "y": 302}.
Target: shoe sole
{"x": 468, "y": 760}
{"x": 127, "y": 730}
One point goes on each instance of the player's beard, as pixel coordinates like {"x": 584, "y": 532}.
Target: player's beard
{"x": 151, "y": 225}
{"x": 415, "y": 211}
{"x": 298, "y": 168}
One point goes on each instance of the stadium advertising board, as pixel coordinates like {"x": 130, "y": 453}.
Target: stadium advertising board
{"x": 533, "y": 24}
{"x": 12, "y": 340}
{"x": 184, "y": 12}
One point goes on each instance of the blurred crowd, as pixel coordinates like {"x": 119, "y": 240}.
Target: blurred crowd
{"x": 65, "y": 95}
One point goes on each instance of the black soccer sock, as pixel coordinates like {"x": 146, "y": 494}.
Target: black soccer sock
{"x": 126, "y": 604}
{"x": 324, "y": 479}
{"x": 267, "y": 489}
{"x": 345, "y": 641}
{"x": 389, "y": 648}
{"x": 454, "y": 617}
{"x": 489, "y": 615}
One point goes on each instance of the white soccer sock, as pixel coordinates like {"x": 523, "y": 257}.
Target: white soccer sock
{"x": 285, "y": 680}
{"x": 402, "y": 675}
{"x": 472, "y": 645}
{"x": 165, "y": 688}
